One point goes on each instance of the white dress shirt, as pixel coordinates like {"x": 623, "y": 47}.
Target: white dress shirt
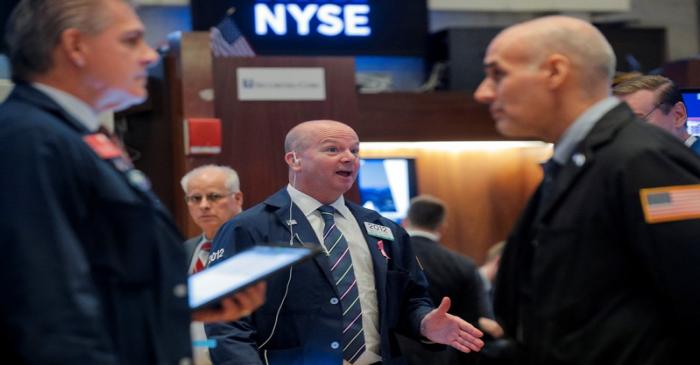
{"x": 200, "y": 344}
{"x": 361, "y": 262}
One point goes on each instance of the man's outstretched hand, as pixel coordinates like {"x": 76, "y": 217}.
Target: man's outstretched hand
{"x": 234, "y": 307}
{"x": 441, "y": 327}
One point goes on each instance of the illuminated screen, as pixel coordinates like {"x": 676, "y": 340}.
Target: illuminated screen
{"x": 691, "y": 99}
{"x": 387, "y": 185}
{"x": 323, "y": 27}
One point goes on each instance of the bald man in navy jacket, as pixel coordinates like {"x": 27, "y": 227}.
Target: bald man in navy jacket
{"x": 302, "y": 322}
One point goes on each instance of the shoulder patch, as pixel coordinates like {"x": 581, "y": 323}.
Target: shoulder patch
{"x": 102, "y": 146}
{"x": 670, "y": 203}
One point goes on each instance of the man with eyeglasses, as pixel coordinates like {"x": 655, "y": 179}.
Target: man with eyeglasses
{"x": 213, "y": 197}
{"x": 657, "y": 100}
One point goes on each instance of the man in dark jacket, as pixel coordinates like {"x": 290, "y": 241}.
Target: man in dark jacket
{"x": 92, "y": 267}
{"x": 344, "y": 306}
{"x": 449, "y": 274}
{"x": 601, "y": 267}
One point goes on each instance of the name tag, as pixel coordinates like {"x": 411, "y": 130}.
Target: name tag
{"x": 379, "y": 231}
{"x": 215, "y": 255}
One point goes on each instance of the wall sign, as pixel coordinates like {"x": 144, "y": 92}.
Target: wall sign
{"x": 350, "y": 20}
{"x": 323, "y": 27}
{"x": 281, "y": 83}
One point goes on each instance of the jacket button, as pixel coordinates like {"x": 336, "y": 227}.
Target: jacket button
{"x": 335, "y": 345}
{"x": 535, "y": 243}
{"x": 180, "y": 290}
{"x": 334, "y": 300}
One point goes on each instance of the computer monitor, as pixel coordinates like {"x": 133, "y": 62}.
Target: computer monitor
{"x": 387, "y": 185}
{"x": 691, "y": 99}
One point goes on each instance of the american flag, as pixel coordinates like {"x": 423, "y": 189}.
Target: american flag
{"x": 671, "y": 203}
{"x": 227, "y": 39}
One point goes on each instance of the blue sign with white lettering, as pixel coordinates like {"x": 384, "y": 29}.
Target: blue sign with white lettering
{"x": 332, "y": 19}
{"x": 322, "y": 27}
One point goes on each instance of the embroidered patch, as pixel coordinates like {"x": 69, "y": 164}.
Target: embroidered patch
{"x": 102, "y": 146}
{"x": 670, "y": 203}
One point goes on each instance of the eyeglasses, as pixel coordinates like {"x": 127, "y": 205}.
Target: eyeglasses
{"x": 211, "y": 197}
{"x": 656, "y": 106}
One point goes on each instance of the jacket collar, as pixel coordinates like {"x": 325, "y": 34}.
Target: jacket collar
{"x": 300, "y": 230}
{"x": 584, "y": 155}
{"x": 26, "y": 93}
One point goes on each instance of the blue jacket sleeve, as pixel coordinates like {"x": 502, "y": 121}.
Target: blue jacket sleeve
{"x": 50, "y": 309}
{"x": 235, "y": 341}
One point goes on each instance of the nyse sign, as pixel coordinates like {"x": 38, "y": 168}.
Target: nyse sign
{"x": 313, "y": 18}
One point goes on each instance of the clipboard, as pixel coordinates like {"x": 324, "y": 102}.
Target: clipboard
{"x": 208, "y": 287}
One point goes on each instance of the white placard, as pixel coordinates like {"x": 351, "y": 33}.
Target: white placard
{"x": 281, "y": 83}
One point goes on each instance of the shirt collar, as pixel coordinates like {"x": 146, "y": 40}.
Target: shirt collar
{"x": 309, "y": 205}
{"x": 579, "y": 129}
{"x": 691, "y": 139}
{"x": 413, "y": 232}
{"x": 77, "y": 108}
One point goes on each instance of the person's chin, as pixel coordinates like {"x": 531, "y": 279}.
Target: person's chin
{"x": 345, "y": 181}
{"x": 506, "y": 128}
{"x": 122, "y": 100}
{"x": 208, "y": 222}
{"x": 134, "y": 98}
{"x": 342, "y": 188}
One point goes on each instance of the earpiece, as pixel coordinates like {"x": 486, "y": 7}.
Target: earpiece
{"x": 295, "y": 160}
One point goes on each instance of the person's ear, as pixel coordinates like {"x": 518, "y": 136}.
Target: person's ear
{"x": 680, "y": 115}
{"x": 557, "y": 68}
{"x": 292, "y": 160}
{"x": 71, "y": 42}
{"x": 238, "y": 196}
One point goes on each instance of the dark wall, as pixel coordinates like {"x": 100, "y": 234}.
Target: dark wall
{"x": 463, "y": 50}
{"x": 644, "y": 48}
{"x": 6, "y": 7}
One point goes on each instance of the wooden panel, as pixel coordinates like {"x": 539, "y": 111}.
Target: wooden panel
{"x": 440, "y": 116}
{"x": 485, "y": 190}
{"x": 685, "y": 73}
{"x": 189, "y": 77}
{"x": 254, "y": 131}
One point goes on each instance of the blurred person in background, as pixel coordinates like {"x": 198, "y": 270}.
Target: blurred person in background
{"x": 93, "y": 265}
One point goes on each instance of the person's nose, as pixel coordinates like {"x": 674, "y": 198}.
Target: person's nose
{"x": 484, "y": 93}
{"x": 150, "y": 56}
{"x": 348, "y": 156}
{"x": 204, "y": 203}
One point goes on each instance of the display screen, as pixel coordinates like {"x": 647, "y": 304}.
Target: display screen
{"x": 322, "y": 27}
{"x": 691, "y": 99}
{"x": 387, "y": 185}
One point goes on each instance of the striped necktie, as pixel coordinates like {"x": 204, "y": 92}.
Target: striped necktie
{"x": 344, "y": 275}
